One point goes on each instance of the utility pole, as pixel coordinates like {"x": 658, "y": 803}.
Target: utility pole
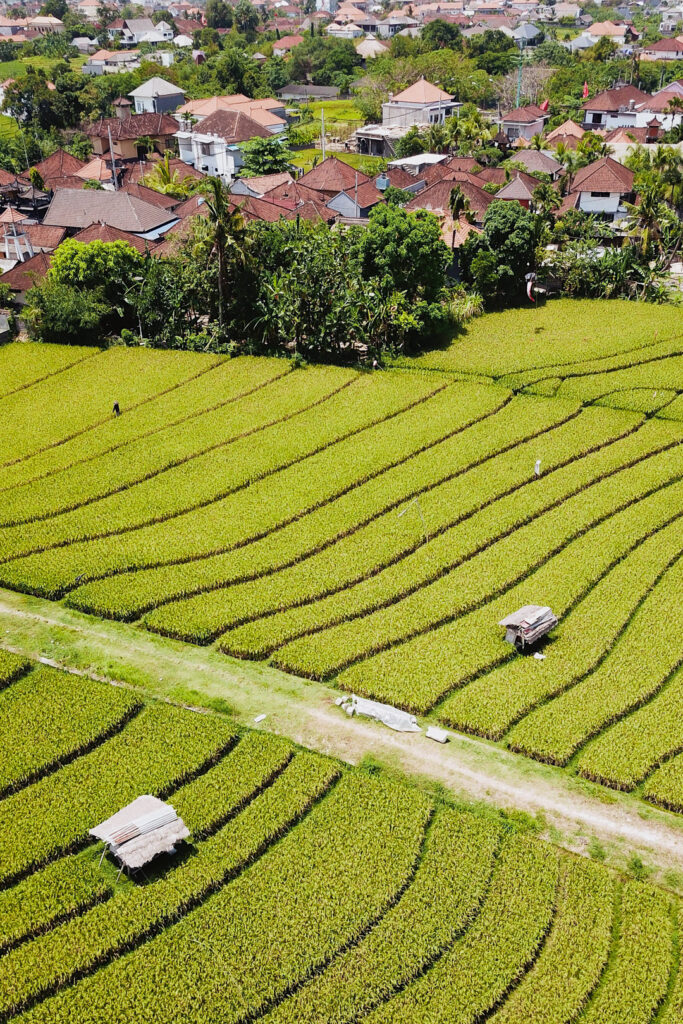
{"x": 322, "y": 129}
{"x": 519, "y": 77}
{"x": 113, "y": 160}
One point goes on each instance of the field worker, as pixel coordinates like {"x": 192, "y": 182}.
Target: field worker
{"x": 116, "y": 410}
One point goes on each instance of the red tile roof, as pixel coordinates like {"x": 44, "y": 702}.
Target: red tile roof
{"x": 25, "y": 275}
{"x": 287, "y": 42}
{"x": 106, "y": 233}
{"x": 43, "y": 236}
{"x": 524, "y": 115}
{"x": 232, "y": 126}
{"x": 58, "y": 165}
{"x": 436, "y": 198}
{"x": 605, "y": 175}
{"x": 133, "y": 127}
{"x": 332, "y": 176}
{"x": 191, "y": 207}
{"x": 613, "y": 99}
{"x": 367, "y": 194}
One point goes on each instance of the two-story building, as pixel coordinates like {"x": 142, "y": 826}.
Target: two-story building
{"x": 214, "y": 146}
{"x": 524, "y": 122}
{"x": 613, "y": 108}
{"x": 157, "y": 96}
{"x": 602, "y": 187}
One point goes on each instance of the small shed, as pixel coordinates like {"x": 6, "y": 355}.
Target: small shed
{"x": 141, "y": 831}
{"x": 527, "y": 625}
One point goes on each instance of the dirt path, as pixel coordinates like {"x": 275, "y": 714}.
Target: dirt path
{"x": 574, "y": 810}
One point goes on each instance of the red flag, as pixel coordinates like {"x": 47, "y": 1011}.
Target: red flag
{"x": 544, "y": 105}
{"x": 530, "y": 290}
{"x": 585, "y": 90}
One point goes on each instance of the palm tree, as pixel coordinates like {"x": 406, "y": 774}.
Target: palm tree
{"x": 644, "y": 218}
{"x": 228, "y": 233}
{"x": 162, "y": 179}
{"x": 545, "y": 200}
{"x": 538, "y": 142}
{"x": 459, "y": 206}
{"x": 437, "y": 138}
{"x": 573, "y": 161}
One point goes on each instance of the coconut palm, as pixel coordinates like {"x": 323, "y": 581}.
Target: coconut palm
{"x": 162, "y": 179}
{"x": 644, "y": 218}
{"x": 228, "y": 235}
{"x": 458, "y": 206}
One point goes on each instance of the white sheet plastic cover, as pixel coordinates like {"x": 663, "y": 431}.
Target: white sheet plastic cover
{"x": 396, "y": 719}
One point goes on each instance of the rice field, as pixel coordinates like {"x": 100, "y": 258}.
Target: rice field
{"x": 308, "y": 891}
{"x": 371, "y": 529}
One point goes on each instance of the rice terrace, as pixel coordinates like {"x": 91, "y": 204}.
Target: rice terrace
{"x": 344, "y": 531}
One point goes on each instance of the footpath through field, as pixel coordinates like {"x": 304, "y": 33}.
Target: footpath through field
{"x": 574, "y": 810}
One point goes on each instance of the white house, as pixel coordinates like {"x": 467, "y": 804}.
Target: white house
{"x": 524, "y": 122}
{"x": 421, "y": 103}
{"x": 613, "y": 108}
{"x": 602, "y": 188}
{"x": 110, "y": 62}
{"x": 157, "y": 96}
{"x": 214, "y": 146}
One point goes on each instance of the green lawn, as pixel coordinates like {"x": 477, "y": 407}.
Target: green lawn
{"x": 372, "y": 164}
{"x": 336, "y": 110}
{"x": 18, "y": 68}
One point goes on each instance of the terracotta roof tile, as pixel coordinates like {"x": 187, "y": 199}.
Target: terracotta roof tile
{"x": 59, "y": 164}
{"x": 613, "y": 99}
{"x": 132, "y": 127}
{"x": 436, "y": 198}
{"x": 106, "y": 233}
{"x": 25, "y": 275}
{"x": 43, "y": 236}
{"x": 134, "y": 188}
{"x": 232, "y": 126}
{"x": 605, "y": 175}
{"x": 332, "y": 176}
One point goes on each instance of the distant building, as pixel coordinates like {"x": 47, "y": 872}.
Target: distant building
{"x": 157, "y": 96}
{"x": 524, "y": 122}
{"x": 213, "y": 146}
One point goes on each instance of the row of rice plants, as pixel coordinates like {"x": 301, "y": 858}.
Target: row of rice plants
{"x": 563, "y": 332}
{"x": 570, "y": 965}
{"x": 160, "y": 748}
{"x": 661, "y": 373}
{"x": 315, "y": 892}
{"x": 43, "y": 415}
{"x": 477, "y": 428}
{"x": 464, "y": 517}
{"x": 645, "y": 655}
{"x": 207, "y": 389}
{"x": 72, "y": 883}
{"x": 386, "y": 538}
{"x": 425, "y": 669}
{"x": 337, "y": 412}
{"x": 55, "y": 893}
{"x": 362, "y": 433}
{"x": 75, "y": 948}
{"x": 184, "y": 486}
{"x": 473, "y": 976}
{"x": 22, "y": 365}
{"x": 441, "y": 903}
{"x": 673, "y": 1011}
{"x": 638, "y": 399}
{"x": 672, "y": 346}
{"x": 12, "y": 666}
{"x": 499, "y": 566}
{"x": 491, "y": 704}
{"x": 626, "y": 753}
{"x": 637, "y": 976}
{"x": 665, "y": 785}
{"x": 239, "y": 407}
{"x": 48, "y": 717}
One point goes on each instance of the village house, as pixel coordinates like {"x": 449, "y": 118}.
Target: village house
{"x": 420, "y": 104}
{"x": 214, "y": 145}
{"x": 269, "y": 113}
{"x": 75, "y": 209}
{"x": 602, "y": 187}
{"x": 111, "y": 62}
{"x": 663, "y": 49}
{"x": 613, "y": 108}
{"x": 157, "y": 96}
{"x": 524, "y": 122}
{"x": 126, "y": 131}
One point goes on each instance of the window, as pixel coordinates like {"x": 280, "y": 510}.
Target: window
{"x": 206, "y": 148}
{"x": 600, "y": 195}
{"x": 596, "y": 118}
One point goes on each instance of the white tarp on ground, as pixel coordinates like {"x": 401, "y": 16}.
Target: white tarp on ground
{"x": 396, "y": 719}
{"x": 528, "y": 624}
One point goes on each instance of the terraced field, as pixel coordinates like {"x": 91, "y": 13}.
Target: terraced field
{"x": 309, "y": 891}
{"x": 372, "y": 529}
